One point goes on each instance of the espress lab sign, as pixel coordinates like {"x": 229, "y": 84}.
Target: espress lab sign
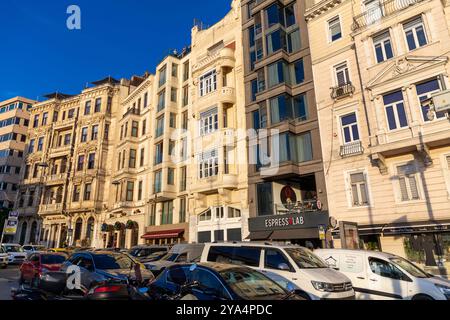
{"x": 284, "y": 222}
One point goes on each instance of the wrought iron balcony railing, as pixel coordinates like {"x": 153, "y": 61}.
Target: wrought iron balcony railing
{"x": 384, "y": 9}
{"x": 343, "y": 91}
{"x": 352, "y": 149}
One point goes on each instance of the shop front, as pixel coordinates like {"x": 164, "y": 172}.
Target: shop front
{"x": 167, "y": 235}
{"x": 426, "y": 243}
{"x": 308, "y": 229}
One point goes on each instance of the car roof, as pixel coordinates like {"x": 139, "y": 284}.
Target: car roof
{"x": 218, "y": 267}
{"x": 11, "y": 244}
{"x": 255, "y": 244}
{"x": 372, "y": 253}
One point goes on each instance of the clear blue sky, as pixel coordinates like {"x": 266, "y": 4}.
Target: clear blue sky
{"x": 39, "y": 55}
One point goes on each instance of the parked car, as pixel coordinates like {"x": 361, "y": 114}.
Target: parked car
{"x": 154, "y": 257}
{"x": 142, "y": 253}
{"x": 4, "y": 258}
{"x": 290, "y": 266}
{"x": 39, "y": 263}
{"x": 60, "y": 250}
{"x": 29, "y": 249}
{"x": 98, "y": 267}
{"x": 384, "y": 276}
{"x": 180, "y": 253}
{"x": 213, "y": 281}
{"x": 16, "y": 255}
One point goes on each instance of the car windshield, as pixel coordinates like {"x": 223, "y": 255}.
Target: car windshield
{"x": 409, "y": 267}
{"x": 170, "y": 257}
{"x": 251, "y": 285}
{"x": 305, "y": 259}
{"x": 112, "y": 262}
{"x": 10, "y": 249}
{"x": 52, "y": 259}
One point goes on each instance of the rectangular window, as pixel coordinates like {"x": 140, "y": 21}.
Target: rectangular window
{"x": 71, "y": 114}
{"x": 359, "y": 189}
{"x": 36, "y": 121}
{"x": 173, "y": 120}
{"x": 415, "y": 33}
{"x": 276, "y": 41}
{"x": 185, "y": 96}
{"x": 254, "y": 88}
{"x": 142, "y": 158}
{"x": 299, "y": 72}
{"x": 407, "y": 178}
{"x": 80, "y": 164}
{"x": 424, "y": 91}
{"x": 132, "y": 159}
{"x": 159, "y": 127}
{"x": 350, "y": 129}
{"x": 173, "y": 94}
{"x": 172, "y": 148}
{"x": 144, "y": 127}
{"x": 335, "y": 30}
{"x": 383, "y": 47}
{"x": 159, "y": 152}
{"x": 208, "y": 164}
{"x": 98, "y": 105}
{"x": 161, "y": 100}
{"x": 184, "y": 124}
{"x": 87, "y": 108}
{"x": 171, "y": 176}
{"x": 76, "y": 194}
{"x": 45, "y": 118}
{"x": 209, "y": 121}
{"x": 208, "y": 83}
{"x": 264, "y": 195}
{"x": 135, "y": 129}
{"x": 140, "y": 190}
{"x": 167, "y": 213}
{"x": 182, "y": 210}
{"x": 183, "y": 180}
{"x": 146, "y": 100}
{"x": 395, "y": 110}
{"x": 342, "y": 74}
{"x": 84, "y": 134}
{"x": 91, "y": 161}
{"x": 31, "y": 146}
{"x": 158, "y": 180}
{"x": 130, "y": 191}
{"x": 87, "y": 191}
{"x": 174, "y": 70}
{"x": 94, "y": 135}
{"x": 186, "y": 71}
{"x": 162, "y": 76}
{"x": 40, "y": 146}
{"x": 278, "y": 72}
{"x": 67, "y": 139}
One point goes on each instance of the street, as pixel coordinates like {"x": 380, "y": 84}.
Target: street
{"x": 8, "y": 279}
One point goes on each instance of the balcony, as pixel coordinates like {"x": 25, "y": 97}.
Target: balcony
{"x": 352, "y": 149}
{"x": 50, "y": 208}
{"x": 342, "y": 91}
{"x": 385, "y": 8}
{"x": 56, "y": 179}
{"x": 300, "y": 207}
{"x": 228, "y": 95}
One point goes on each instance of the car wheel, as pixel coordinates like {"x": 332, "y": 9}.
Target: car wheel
{"x": 422, "y": 297}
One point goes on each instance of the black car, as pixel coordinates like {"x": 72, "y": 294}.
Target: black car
{"x": 212, "y": 281}
{"x": 102, "y": 266}
{"x": 148, "y": 253}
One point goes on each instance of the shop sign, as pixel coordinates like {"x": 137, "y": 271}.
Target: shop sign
{"x": 11, "y": 227}
{"x": 286, "y": 222}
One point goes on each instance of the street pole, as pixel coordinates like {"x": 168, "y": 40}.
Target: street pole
{"x": 3, "y": 232}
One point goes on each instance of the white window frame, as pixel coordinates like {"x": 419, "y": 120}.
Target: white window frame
{"x": 207, "y": 162}
{"x": 207, "y": 83}
{"x": 428, "y": 95}
{"x": 397, "y": 119}
{"x": 446, "y": 169}
{"x": 349, "y": 187}
{"x": 381, "y": 42}
{"x": 331, "y": 23}
{"x": 397, "y": 188}
{"x": 413, "y": 29}
{"x": 341, "y": 67}
{"x": 349, "y": 126}
{"x": 209, "y": 124}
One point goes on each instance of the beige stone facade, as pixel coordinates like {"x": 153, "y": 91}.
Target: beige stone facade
{"x": 14, "y": 118}
{"x": 387, "y": 164}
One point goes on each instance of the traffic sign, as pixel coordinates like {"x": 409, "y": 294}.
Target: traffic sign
{"x": 14, "y": 215}
{"x": 11, "y": 227}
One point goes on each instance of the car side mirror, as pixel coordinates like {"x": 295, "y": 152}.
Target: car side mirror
{"x": 283, "y": 267}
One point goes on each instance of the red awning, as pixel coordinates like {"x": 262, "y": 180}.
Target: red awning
{"x": 167, "y": 234}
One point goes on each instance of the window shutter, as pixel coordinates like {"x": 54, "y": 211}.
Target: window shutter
{"x": 414, "y": 190}
{"x": 364, "y": 198}
{"x": 404, "y": 189}
{"x": 355, "y": 195}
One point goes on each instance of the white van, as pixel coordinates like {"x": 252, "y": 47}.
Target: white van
{"x": 383, "y": 276}
{"x": 16, "y": 255}
{"x": 293, "y": 267}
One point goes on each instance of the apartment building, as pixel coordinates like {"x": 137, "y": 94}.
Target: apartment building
{"x": 14, "y": 120}
{"x": 287, "y": 194}
{"x": 67, "y": 169}
{"x": 386, "y": 154}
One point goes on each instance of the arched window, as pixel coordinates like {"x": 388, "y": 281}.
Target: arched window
{"x": 59, "y": 195}
{"x": 78, "y": 227}
{"x": 90, "y": 229}
{"x": 33, "y": 233}
{"x": 23, "y": 233}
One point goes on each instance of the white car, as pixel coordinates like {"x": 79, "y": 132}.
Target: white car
{"x": 383, "y": 276}
{"x": 3, "y": 258}
{"x": 293, "y": 267}
{"x": 29, "y": 249}
{"x": 16, "y": 255}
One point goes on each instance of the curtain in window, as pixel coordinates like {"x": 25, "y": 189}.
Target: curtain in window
{"x": 304, "y": 148}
